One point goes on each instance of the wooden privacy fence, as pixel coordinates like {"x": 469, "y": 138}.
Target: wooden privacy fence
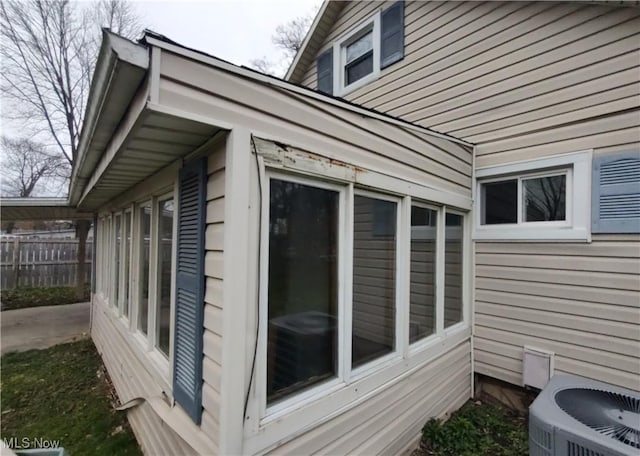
{"x": 41, "y": 262}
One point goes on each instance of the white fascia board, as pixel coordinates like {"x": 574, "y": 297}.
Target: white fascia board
{"x": 115, "y": 52}
{"x": 284, "y": 85}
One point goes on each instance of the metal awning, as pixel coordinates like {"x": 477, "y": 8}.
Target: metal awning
{"x": 17, "y": 209}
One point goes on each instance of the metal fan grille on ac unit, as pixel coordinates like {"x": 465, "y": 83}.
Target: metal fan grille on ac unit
{"x": 611, "y": 414}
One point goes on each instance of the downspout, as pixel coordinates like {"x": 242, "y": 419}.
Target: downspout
{"x": 473, "y": 271}
{"x": 94, "y": 249}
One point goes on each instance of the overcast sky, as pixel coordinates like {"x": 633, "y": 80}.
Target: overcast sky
{"x": 237, "y": 31}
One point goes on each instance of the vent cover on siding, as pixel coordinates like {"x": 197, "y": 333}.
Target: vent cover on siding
{"x": 616, "y": 193}
{"x": 189, "y": 301}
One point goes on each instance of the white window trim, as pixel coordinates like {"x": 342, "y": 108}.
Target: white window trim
{"x": 339, "y": 56}
{"x": 318, "y": 404}
{"x": 576, "y": 227}
{"x": 126, "y": 318}
{"x": 143, "y": 345}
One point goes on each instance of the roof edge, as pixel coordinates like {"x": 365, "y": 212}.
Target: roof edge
{"x": 305, "y": 43}
{"x": 115, "y": 52}
{"x": 169, "y": 45}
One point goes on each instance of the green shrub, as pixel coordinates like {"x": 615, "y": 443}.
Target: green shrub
{"x": 477, "y": 430}
{"x": 21, "y": 297}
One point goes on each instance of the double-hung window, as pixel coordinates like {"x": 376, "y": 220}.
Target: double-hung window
{"x": 356, "y": 280}
{"x": 357, "y": 57}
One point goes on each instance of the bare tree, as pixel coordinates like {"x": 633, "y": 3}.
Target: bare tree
{"x": 27, "y": 167}
{"x": 288, "y": 38}
{"x": 48, "y": 50}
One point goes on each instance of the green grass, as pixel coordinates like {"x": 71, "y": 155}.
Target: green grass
{"x": 477, "y": 430}
{"x": 21, "y": 297}
{"x": 62, "y": 393}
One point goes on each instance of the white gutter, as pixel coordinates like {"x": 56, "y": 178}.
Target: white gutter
{"x": 115, "y": 52}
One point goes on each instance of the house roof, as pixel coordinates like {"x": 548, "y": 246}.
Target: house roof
{"x": 331, "y": 9}
{"x": 324, "y": 20}
{"x": 128, "y": 135}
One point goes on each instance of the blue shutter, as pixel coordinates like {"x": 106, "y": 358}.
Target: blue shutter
{"x": 615, "y": 198}
{"x": 392, "y": 35}
{"x": 324, "y": 69}
{"x": 189, "y": 297}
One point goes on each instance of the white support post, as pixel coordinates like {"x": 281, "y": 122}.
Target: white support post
{"x": 235, "y": 380}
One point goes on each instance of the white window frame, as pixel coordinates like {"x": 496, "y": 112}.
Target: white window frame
{"x": 147, "y": 342}
{"x": 117, "y": 272}
{"x": 417, "y": 345}
{"x": 153, "y": 314}
{"x": 267, "y": 424}
{"x": 108, "y": 260}
{"x": 126, "y": 318}
{"x": 339, "y": 55}
{"x": 138, "y": 247}
{"x": 576, "y": 166}
{"x": 356, "y": 373}
{"x": 272, "y": 411}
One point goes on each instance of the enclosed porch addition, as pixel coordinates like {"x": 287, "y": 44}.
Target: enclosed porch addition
{"x": 277, "y": 270}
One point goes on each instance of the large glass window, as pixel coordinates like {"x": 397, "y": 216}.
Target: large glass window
{"x": 374, "y": 278}
{"x": 116, "y": 253}
{"x": 422, "y": 314}
{"x": 356, "y": 279}
{"x": 127, "y": 263}
{"x": 453, "y": 268}
{"x": 144, "y": 219}
{"x": 303, "y": 287}
{"x": 163, "y": 289}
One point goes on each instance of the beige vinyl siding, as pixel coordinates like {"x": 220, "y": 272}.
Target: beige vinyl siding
{"x": 501, "y": 74}
{"x": 132, "y": 369}
{"x": 579, "y": 301}
{"x": 412, "y": 156}
{"x": 388, "y": 419}
{"x": 214, "y": 242}
{"x": 527, "y": 80}
{"x": 132, "y": 379}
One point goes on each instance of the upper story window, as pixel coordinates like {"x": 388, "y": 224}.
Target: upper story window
{"x": 536, "y": 199}
{"x": 357, "y": 57}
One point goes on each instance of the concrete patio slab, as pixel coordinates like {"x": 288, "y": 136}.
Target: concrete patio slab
{"x": 43, "y": 327}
